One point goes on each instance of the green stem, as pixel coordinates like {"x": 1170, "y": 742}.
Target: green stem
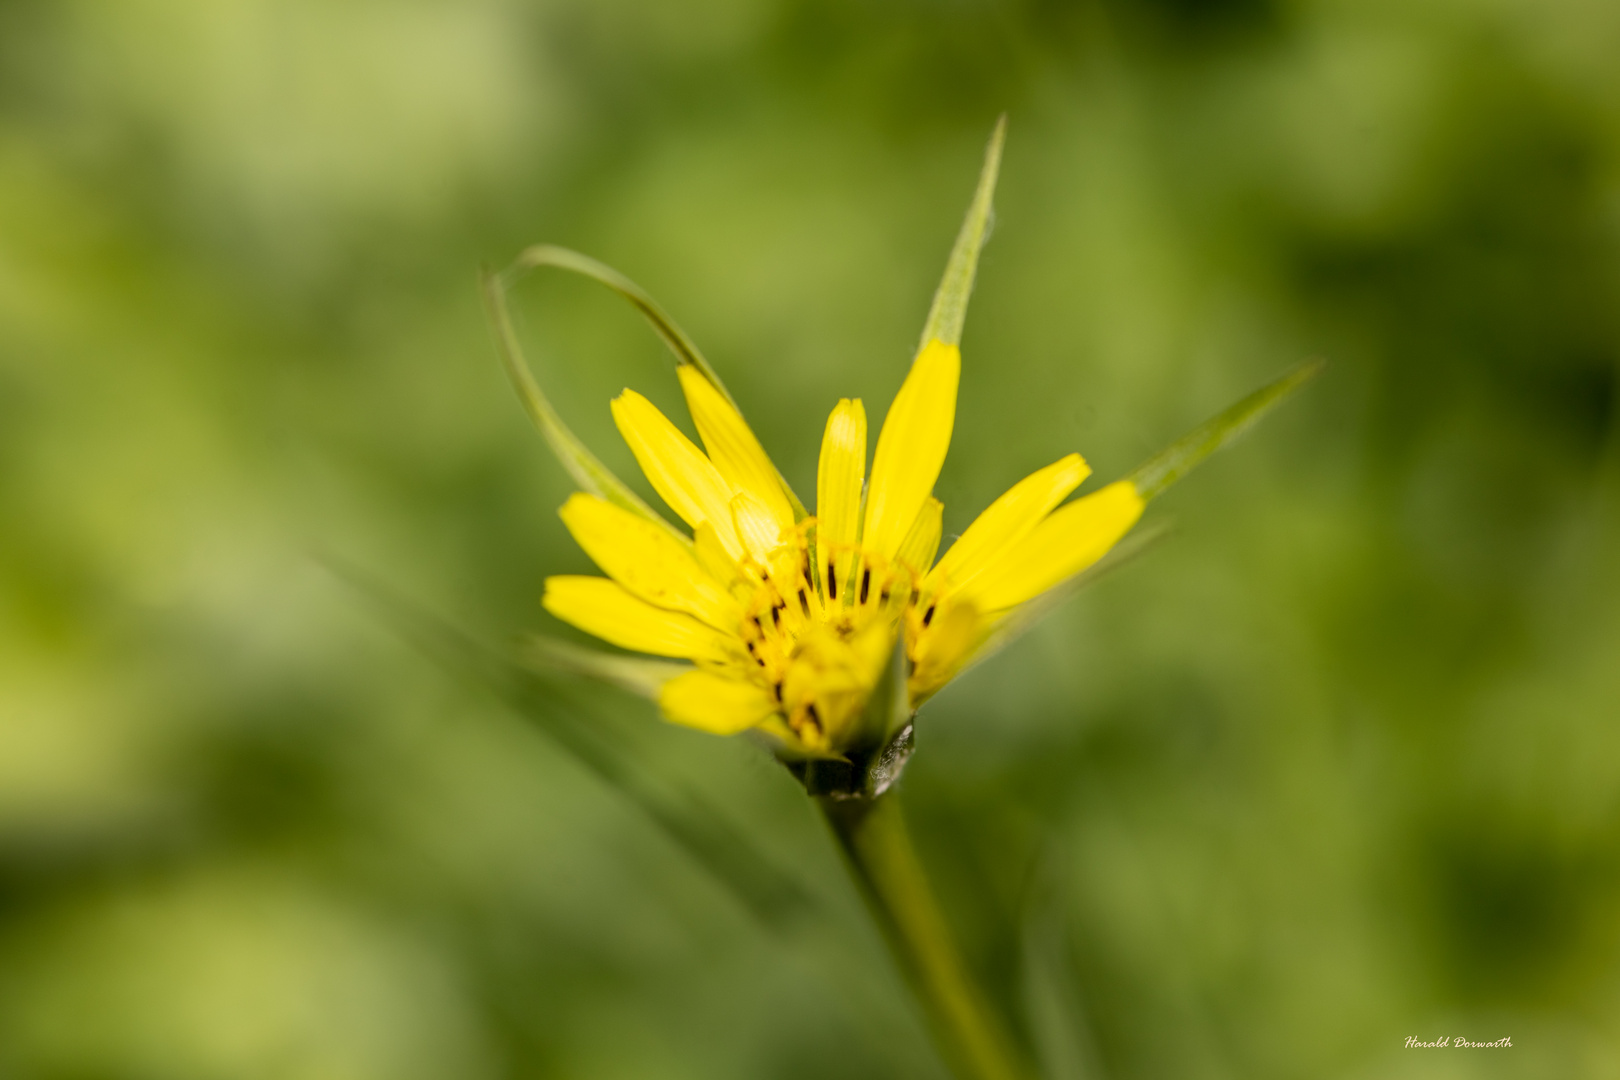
{"x": 885, "y": 865}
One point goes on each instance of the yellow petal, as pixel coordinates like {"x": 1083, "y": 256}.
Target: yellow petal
{"x": 679, "y": 472}
{"x": 757, "y": 528}
{"x": 955, "y": 630}
{"x": 732, "y": 447}
{"x": 1008, "y": 520}
{"x": 1067, "y": 542}
{"x": 911, "y": 448}
{"x": 604, "y": 608}
{"x": 648, "y": 561}
{"x": 714, "y": 703}
{"x": 714, "y": 558}
{"x": 838, "y": 491}
{"x": 921, "y": 544}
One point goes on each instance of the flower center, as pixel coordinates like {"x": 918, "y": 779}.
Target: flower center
{"x": 818, "y": 626}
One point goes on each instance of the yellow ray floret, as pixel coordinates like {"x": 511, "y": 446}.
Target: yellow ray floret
{"x": 679, "y": 472}
{"x": 839, "y": 477}
{"x": 607, "y": 610}
{"x": 715, "y": 703}
{"x": 921, "y": 544}
{"x": 648, "y": 561}
{"x": 736, "y": 453}
{"x": 911, "y": 448}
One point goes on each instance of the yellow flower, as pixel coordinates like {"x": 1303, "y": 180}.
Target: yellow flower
{"x": 793, "y": 622}
{"x": 790, "y": 620}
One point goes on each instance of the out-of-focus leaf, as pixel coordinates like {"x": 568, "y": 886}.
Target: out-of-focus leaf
{"x": 684, "y": 348}
{"x": 949, "y": 310}
{"x": 1058, "y": 1025}
{"x": 636, "y": 674}
{"x": 772, "y": 896}
{"x": 1183, "y": 455}
{"x": 586, "y": 469}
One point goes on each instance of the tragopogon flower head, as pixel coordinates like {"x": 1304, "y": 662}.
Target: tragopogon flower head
{"x": 824, "y": 633}
{"x": 790, "y": 620}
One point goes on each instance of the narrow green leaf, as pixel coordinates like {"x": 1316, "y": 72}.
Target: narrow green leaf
{"x": 949, "y": 309}
{"x": 684, "y": 348}
{"x": 586, "y": 469}
{"x": 636, "y": 674}
{"x": 776, "y": 898}
{"x": 1181, "y": 456}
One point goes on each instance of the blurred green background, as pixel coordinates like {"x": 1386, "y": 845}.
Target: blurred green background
{"x": 1335, "y": 765}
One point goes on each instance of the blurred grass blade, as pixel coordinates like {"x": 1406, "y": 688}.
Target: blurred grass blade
{"x": 772, "y": 896}
{"x": 1183, "y": 455}
{"x": 949, "y": 309}
{"x": 684, "y": 348}
{"x": 635, "y": 674}
{"x": 588, "y": 472}
{"x": 1053, "y": 1006}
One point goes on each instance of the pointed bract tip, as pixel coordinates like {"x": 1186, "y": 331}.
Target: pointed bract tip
{"x": 949, "y": 309}
{"x": 1183, "y": 455}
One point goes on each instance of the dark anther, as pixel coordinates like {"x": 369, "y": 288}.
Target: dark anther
{"x": 928, "y": 616}
{"x": 832, "y": 581}
{"x": 883, "y": 597}
{"x": 811, "y": 715}
{"x": 804, "y": 602}
{"x": 777, "y": 687}
{"x": 866, "y": 583}
{"x": 776, "y": 617}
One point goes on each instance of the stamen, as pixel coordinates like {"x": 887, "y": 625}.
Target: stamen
{"x": 777, "y": 687}
{"x": 804, "y": 602}
{"x": 776, "y": 617}
{"x": 928, "y": 616}
{"x": 813, "y": 717}
{"x": 866, "y": 583}
{"x": 832, "y": 581}
{"x": 883, "y": 597}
